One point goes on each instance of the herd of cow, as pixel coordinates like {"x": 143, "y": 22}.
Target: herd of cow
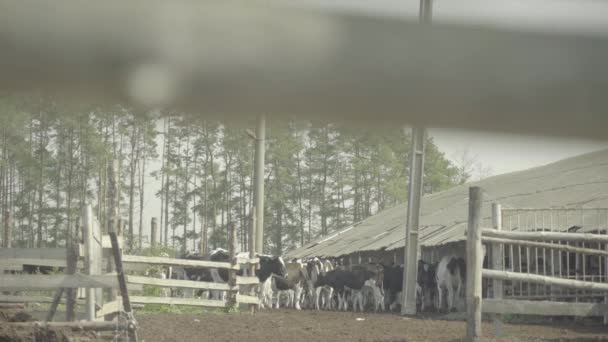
{"x": 325, "y": 285}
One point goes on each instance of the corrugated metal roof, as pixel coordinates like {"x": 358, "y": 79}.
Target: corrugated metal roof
{"x": 578, "y": 182}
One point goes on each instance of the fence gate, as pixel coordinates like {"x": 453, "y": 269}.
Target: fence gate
{"x": 548, "y": 262}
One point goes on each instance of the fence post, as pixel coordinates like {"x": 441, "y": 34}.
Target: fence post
{"x": 89, "y": 243}
{"x": 72, "y": 264}
{"x": 474, "y": 264}
{"x": 153, "y": 232}
{"x": 232, "y": 241}
{"x": 497, "y": 264}
{"x": 252, "y": 266}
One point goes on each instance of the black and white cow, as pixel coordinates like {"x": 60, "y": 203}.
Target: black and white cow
{"x": 393, "y": 284}
{"x": 451, "y": 277}
{"x": 427, "y": 285}
{"x": 345, "y": 282}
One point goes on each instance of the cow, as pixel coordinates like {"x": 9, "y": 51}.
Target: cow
{"x": 426, "y": 284}
{"x": 451, "y": 275}
{"x": 392, "y": 285}
{"x": 290, "y": 285}
{"x": 348, "y": 282}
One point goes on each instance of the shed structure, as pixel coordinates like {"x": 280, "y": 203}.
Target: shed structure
{"x": 577, "y": 183}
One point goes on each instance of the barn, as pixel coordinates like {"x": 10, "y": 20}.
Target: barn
{"x": 568, "y": 195}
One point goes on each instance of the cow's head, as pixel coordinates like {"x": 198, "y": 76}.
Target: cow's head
{"x": 271, "y": 265}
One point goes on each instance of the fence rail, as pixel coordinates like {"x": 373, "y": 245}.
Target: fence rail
{"x": 538, "y": 253}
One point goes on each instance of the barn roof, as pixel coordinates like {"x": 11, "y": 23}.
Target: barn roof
{"x": 577, "y": 182}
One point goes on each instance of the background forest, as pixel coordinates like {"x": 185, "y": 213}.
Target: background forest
{"x": 54, "y": 159}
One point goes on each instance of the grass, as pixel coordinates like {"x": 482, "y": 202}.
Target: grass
{"x": 178, "y": 309}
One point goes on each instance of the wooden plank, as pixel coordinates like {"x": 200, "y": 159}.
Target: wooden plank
{"x": 541, "y": 236}
{"x": 176, "y": 262}
{"x": 247, "y": 280}
{"x": 33, "y": 253}
{"x": 543, "y": 308}
{"x": 109, "y": 308}
{"x": 31, "y": 299}
{"x": 247, "y": 261}
{"x": 52, "y": 282}
{"x": 565, "y": 248}
{"x": 474, "y": 264}
{"x": 188, "y": 284}
{"x": 545, "y": 280}
{"x": 107, "y": 244}
{"x": 244, "y": 299}
{"x": 17, "y": 263}
{"x": 81, "y": 325}
{"x": 178, "y": 301}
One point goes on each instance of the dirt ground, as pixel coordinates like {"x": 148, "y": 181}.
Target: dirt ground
{"x": 303, "y": 326}
{"x": 308, "y": 326}
{"x": 11, "y": 334}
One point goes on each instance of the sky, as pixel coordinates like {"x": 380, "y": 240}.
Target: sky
{"x": 505, "y": 153}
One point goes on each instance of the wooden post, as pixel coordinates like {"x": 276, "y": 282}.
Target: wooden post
{"x": 122, "y": 283}
{"x": 252, "y": 267}
{"x": 72, "y": 264}
{"x": 112, "y": 219}
{"x": 232, "y": 241}
{"x": 54, "y": 304}
{"x": 408, "y": 306}
{"x": 89, "y": 243}
{"x": 474, "y": 264}
{"x": 258, "y": 185}
{"x": 8, "y": 230}
{"x": 497, "y": 264}
{"x": 153, "y": 232}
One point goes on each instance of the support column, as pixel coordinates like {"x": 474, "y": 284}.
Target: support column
{"x": 474, "y": 264}
{"x": 260, "y": 140}
{"x": 408, "y": 307}
{"x": 497, "y": 264}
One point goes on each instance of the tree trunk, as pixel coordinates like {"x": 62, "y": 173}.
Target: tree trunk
{"x": 134, "y": 156}
{"x": 142, "y": 183}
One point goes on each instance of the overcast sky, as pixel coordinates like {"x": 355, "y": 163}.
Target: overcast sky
{"x": 507, "y": 153}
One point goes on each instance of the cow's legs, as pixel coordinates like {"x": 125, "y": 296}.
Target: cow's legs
{"x": 297, "y": 296}
{"x": 318, "y": 297}
{"x": 450, "y": 297}
{"x": 439, "y": 299}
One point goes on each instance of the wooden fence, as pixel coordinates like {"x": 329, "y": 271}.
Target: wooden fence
{"x": 496, "y": 238}
{"x": 87, "y": 269}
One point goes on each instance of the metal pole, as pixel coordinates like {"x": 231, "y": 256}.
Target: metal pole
{"x": 408, "y": 307}
{"x": 260, "y": 138}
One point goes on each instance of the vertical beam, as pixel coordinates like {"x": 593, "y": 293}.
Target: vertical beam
{"x": 497, "y": 264}
{"x": 474, "y": 264}
{"x": 89, "y": 243}
{"x": 232, "y": 241}
{"x": 260, "y": 140}
{"x": 425, "y": 14}
{"x": 408, "y": 307}
{"x": 252, "y": 267}
{"x": 72, "y": 265}
{"x": 122, "y": 283}
{"x": 153, "y": 232}
{"x": 113, "y": 223}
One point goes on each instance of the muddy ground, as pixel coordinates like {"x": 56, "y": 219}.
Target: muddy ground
{"x": 308, "y": 326}
{"x": 9, "y": 333}
{"x": 305, "y": 326}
